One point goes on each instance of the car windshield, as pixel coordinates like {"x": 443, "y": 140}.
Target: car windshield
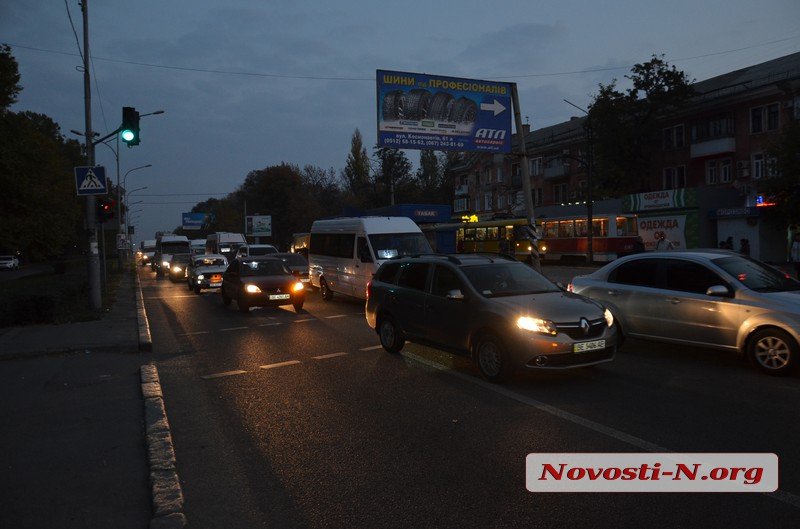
{"x": 294, "y": 260}
{"x": 757, "y": 276}
{"x": 175, "y": 247}
{"x": 6, "y": 257}
{"x": 388, "y": 245}
{"x": 180, "y": 259}
{"x": 264, "y": 268}
{"x": 218, "y": 261}
{"x": 264, "y": 250}
{"x": 507, "y": 279}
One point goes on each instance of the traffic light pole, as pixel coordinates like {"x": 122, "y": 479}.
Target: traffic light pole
{"x": 95, "y": 293}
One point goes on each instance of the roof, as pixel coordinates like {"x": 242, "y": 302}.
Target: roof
{"x": 751, "y": 77}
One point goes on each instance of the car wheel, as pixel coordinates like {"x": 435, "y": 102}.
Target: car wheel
{"x": 226, "y": 299}
{"x": 298, "y": 306}
{"x": 492, "y": 359}
{"x": 391, "y": 338}
{"x": 198, "y": 290}
{"x": 243, "y": 305}
{"x": 189, "y": 284}
{"x": 327, "y": 293}
{"x": 773, "y": 351}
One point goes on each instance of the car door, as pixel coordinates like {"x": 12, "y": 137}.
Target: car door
{"x": 447, "y": 319}
{"x": 363, "y": 268}
{"x": 231, "y": 280}
{"x": 687, "y": 314}
{"x": 408, "y": 298}
{"x": 630, "y": 292}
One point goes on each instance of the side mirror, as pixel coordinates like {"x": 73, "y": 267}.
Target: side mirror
{"x": 456, "y": 295}
{"x": 720, "y": 291}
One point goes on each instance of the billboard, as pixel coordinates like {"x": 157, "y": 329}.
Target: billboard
{"x": 420, "y": 111}
{"x": 195, "y": 221}
{"x": 258, "y": 225}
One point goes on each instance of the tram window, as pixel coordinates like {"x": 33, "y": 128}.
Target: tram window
{"x": 503, "y": 232}
{"x": 600, "y": 227}
{"x": 550, "y": 229}
{"x": 480, "y": 234}
{"x": 580, "y": 228}
{"x": 469, "y": 234}
{"x": 491, "y": 234}
{"x": 566, "y": 228}
{"x": 626, "y": 226}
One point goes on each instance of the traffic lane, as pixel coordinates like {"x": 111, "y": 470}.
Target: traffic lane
{"x": 383, "y": 441}
{"x": 682, "y": 399}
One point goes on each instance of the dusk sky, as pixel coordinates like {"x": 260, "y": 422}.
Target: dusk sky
{"x": 248, "y": 84}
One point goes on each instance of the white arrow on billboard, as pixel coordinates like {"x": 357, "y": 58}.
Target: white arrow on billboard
{"x": 496, "y": 107}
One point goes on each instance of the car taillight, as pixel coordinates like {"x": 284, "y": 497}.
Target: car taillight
{"x": 569, "y": 287}
{"x": 369, "y": 288}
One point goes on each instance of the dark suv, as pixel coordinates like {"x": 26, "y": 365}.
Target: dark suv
{"x": 501, "y": 312}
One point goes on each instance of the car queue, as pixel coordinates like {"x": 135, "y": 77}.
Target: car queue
{"x": 504, "y": 315}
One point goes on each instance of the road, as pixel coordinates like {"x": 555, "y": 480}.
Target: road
{"x": 301, "y": 420}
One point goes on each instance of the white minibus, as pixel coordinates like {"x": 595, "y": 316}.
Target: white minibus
{"x": 345, "y": 252}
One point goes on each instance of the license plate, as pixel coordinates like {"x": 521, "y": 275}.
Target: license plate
{"x": 216, "y": 284}
{"x": 582, "y": 347}
{"x": 279, "y": 296}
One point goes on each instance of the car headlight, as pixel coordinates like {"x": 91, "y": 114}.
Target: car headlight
{"x": 176, "y": 269}
{"x": 165, "y": 264}
{"x": 543, "y": 248}
{"x": 609, "y": 317}
{"x": 527, "y": 323}
{"x": 252, "y": 289}
{"x": 201, "y": 276}
{"x": 298, "y": 287}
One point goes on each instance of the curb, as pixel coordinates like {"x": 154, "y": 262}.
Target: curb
{"x": 145, "y": 340}
{"x": 165, "y": 486}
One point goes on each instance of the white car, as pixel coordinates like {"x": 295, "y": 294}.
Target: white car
{"x": 9, "y": 262}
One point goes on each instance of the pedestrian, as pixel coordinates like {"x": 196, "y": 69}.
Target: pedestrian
{"x": 744, "y": 247}
{"x": 663, "y": 243}
{"x": 795, "y": 254}
{"x": 729, "y": 243}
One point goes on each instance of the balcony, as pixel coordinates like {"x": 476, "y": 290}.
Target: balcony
{"x": 462, "y": 190}
{"x": 555, "y": 171}
{"x": 713, "y": 147}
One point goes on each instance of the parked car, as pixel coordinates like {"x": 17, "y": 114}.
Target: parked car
{"x": 205, "y": 271}
{"x": 297, "y": 264}
{"x": 498, "y": 310}
{"x": 707, "y": 298}
{"x": 9, "y": 262}
{"x": 261, "y": 282}
{"x": 255, "y": 250}
{"x": 177, "y": 266}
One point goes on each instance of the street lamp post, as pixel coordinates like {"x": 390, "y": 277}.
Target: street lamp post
{"x": 124, "y": 182}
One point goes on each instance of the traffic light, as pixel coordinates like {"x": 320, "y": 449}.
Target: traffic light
{"x": 105, "y": 209}
{"x": 129, "y": 131}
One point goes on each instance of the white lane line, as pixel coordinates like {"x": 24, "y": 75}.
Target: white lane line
{"x": 173, "y": 297}
{"x": 224, "y": 374}
{"x": 782, "y": 496}
{"x": 280, "y": 364}
{"x": 233, "y": 329}
{"x": 337, "y": 316}
{"x": 332, "y": 355}
{"x": 307, "y": 319}
{"x": 193, "y": 333}
{"x": 371, "y": 348}
{"x": 269, "y": 324}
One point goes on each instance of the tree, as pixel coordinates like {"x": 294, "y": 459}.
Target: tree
{"x": 783, "y": 185}
{"x": 393, "y": 180}
{"x": 624, "y": 125}
{"x": 9, "y": 79}
{"x": 356, "y": 173}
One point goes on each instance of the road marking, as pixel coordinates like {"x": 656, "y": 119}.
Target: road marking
{"x": 307, "y": 319}
{"x": 224, "y": 374}
{"x": 337, "y": 316}
{"x": 192, "y": 333}
{"x": 173, "y": 297}
{"x": 233, "y": 329}
{"x": 332, "y": 355}
{"x": 269, "y": 324}
{"x": 280, "y": 364}
{"x": 371, "y": 348}
{"x": 782, "y": 496}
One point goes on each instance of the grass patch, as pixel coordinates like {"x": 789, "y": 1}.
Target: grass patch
{"x": 61, "y": 297}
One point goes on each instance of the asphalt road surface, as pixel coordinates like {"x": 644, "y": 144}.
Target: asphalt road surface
{"x": 301, "y": 420}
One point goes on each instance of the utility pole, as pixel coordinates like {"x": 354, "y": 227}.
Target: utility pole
{"x": 526, "y": 175}
{"x": 95, "y": 294}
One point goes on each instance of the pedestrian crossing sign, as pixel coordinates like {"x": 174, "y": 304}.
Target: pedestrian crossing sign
{"x": 91, "y": 180}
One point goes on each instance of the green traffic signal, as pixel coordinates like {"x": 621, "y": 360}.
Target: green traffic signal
{"x": 129, "y": 131}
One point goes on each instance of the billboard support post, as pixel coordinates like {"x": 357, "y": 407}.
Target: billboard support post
{"x": 526, "y": 175}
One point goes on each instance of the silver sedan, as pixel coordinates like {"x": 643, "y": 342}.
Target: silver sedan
{"x": 706, "y": 298}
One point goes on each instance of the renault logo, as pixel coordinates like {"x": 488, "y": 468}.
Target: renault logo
{"x": 585, "y": 325}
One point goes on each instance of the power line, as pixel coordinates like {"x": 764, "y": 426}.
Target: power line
{"x": 372, "y": 79}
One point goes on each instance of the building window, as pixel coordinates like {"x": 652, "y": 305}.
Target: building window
{"x": 560, "y": 193}
{"x": 487, "y": 202}
{"x": 772, "y": 167}
{"x": 725, "y": 171}
{"x": 711, "y": 172}
{"x": 721, "y": 126}
{"x": 500, "y": 175}
{"x": 536, "y": 166}
{"x": 460, "y": 204}
{"x": 515, "y": 173}
{"x": 477, "y": 204}
{"x": 764, "y": 118}
{"x": 673, "y": 137}
{"x": 674, "y": 177}
{"x": 501, "y": 202}
{"x": 757, "y": 166}
{"x": 538, "y": 196}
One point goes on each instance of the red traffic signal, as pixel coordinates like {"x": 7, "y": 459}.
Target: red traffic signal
{"x": 105, "y": 209}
